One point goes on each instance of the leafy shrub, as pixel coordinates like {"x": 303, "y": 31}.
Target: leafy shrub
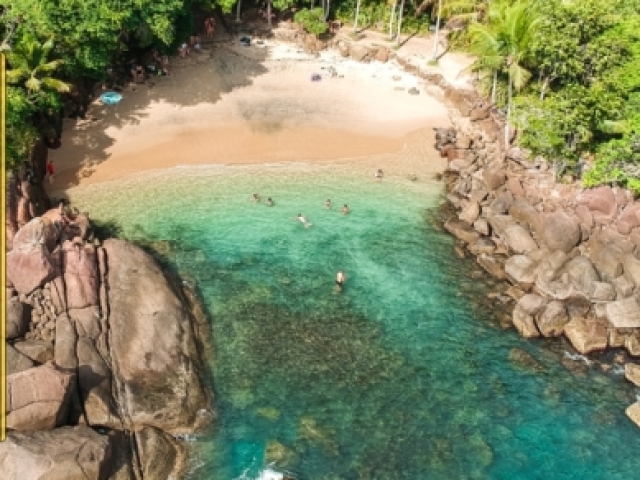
{"x": 312, "y": 20}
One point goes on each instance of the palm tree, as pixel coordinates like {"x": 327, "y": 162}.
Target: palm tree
{"x": 355, "y": 24}
{"x": 394, "y": 5}
{"x": 435, "y": 37}
{"x": 400, "y": 12}
{"x": 29, "y": 64}
{"x": 503, "y": 45}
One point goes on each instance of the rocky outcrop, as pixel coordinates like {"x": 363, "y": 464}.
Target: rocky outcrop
{"x": 38, "y": 398}
{"x": 69, "y": 453}
{"x": 632, "y": 373}
{"x": 587, "y": 335}
{"x": 153, "y": 348}
{"x": 633, "y": 412}
{"x": 117, "y": 345}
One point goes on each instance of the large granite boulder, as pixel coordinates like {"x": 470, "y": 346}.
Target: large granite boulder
{"x": 519, "y": 239}
{"x": 38, "y": 398}
{"x": 493, "y": 179}
{"x": 161, "y": 456}
{"x": 94, "y": 382}
{"x": 153, "y": 348}
{"x": 602, "y": 203}
{"x": 470, "y": 212}
{"x": 524, "y": 314}
{"x": 632, "y": 373}
{"x": 16, "y": 361}
{"x": 582, "y": 274}
{"x": 68, "y": 453}
{"x": 18, "y": 317}
{"x": 65, "y": 347}
{"x": 587, "y": 335}
{"x": 624, "y": 313}
{"x": 29, "y": 267}
{"x": 553, "y": 318}
{"x": 633, "y": 412}
{"x": 525, "y": 213}
{"x": 631, "y": 267}
{"x": 521, "y": 269}
{"x": 493, "y": 265}
{"x": 39, "y": 351}
{"x": 559, "y": 231}
{"x": 629, "y": 219}
{"x": 80, "y": 275}
{"x": 461, "y": 230}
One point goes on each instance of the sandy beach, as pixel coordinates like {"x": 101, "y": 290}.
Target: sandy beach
{"x": 237, "y": 105}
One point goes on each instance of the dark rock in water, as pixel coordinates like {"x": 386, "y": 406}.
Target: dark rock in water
{"x": 524, "y": 359}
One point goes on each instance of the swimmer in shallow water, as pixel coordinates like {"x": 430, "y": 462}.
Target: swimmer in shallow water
{"x": 378, "y": 175}
{"x": 340, "y": 279}
{"x": 345, "y": 209}
{"x": 303, "y": 220}
{"x": 269, "y": 202}
{"x": 327, "y": 204}
{"x": 255, "y": 197}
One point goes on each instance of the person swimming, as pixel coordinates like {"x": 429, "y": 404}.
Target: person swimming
{"x": 303, "y": 220}
{"x": 378, "y": 175}
{"x": 345, "y": 209}
{"x": 269, "y": 202}
{"x": 327, "y": 204}
{"x": 340, "y": 278}
{"x": 255, "y": 197}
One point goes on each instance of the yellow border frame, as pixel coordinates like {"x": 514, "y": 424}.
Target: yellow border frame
{"x": 3, "y": 252}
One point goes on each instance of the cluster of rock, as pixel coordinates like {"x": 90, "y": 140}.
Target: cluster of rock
{"x": 104, "y": 357}
{"x": 570, "y": 257}
{"x": 292, "y": 32}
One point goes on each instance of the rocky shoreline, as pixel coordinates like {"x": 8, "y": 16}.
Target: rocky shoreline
{"x": 569, "y": 257}
{"x": 105, "y": 351}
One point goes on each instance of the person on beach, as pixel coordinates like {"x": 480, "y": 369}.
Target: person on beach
{"x": 269, "y": 202}
{"x": 137, "y": 72}
{"x": 327, "y": 204}
{"x": 303, "y": 220}
{"x": 340, "y": 279}
{"x": 255, "y": 198}
{"x": 184, "y": 50}
{"x": 209, "y": 26}
{"x": 197, "y": 47}
{"x": 345, "y": 209}
{"x": 50, "y": 170}
{"x": 378, "y": 175}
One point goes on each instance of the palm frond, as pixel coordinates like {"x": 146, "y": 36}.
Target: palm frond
{"x": 57, "y": 85}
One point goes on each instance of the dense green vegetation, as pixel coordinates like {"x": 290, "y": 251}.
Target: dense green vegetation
{"x": 565, "y": 72}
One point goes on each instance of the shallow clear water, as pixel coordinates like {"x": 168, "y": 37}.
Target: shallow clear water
{"x": 399, "y": 376}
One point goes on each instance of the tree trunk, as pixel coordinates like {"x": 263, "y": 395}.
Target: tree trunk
{"x": 313, "y": 3}
{"x": 355, "y": 24}
{"x": 326, "y": 13}
{"x": 393, "y": 14}
{"x": 506, "y": 126}
{"x": 494, "y": 87}
{"x": 238, "y": 11}
{"x": 400, "y": 21}
{"x": 435, "y": 37}
{"x": 269, "y": 13}
{"x": 543, "y": 90}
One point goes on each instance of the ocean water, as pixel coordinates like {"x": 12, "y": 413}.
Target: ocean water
{"x": 404, "y": 374}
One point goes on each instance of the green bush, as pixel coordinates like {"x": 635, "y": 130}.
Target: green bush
{"x": 312, "y": 20}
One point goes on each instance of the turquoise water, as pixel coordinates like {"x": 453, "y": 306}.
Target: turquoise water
{"x": 402, "y": 375}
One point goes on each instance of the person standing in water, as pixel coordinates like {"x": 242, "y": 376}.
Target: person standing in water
{"x": 345, "y": 209}
{"x": 255, "y": 198}
{"x": 269, "y": 202}
{"x": 378, "y": 175}
{"x": 340, "y": 279}
{"x": 327, "y": 204}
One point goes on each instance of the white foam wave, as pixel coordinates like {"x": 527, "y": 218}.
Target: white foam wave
{"x": 578, "y": 358}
